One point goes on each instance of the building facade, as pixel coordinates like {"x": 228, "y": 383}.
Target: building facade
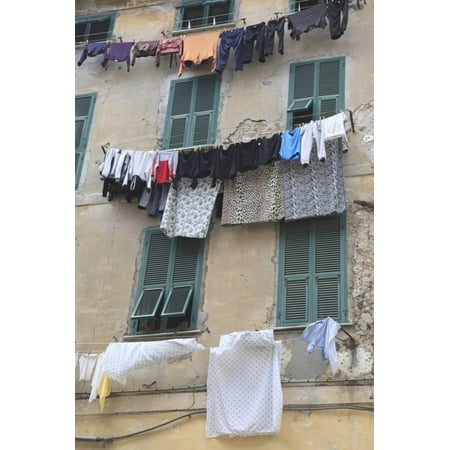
{"x": 136, "y": 284}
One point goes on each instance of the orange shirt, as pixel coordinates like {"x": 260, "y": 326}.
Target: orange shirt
{"x": 198, "y": 48}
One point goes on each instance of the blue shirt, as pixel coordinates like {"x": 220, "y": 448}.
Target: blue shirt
{"x": 291, "y": 144}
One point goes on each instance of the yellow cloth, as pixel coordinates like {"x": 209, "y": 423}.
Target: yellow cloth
{"x": 103, "y": 390}
{"x": 198, "y": 48}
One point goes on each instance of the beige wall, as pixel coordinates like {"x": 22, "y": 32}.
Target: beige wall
{"x": 239, "y": 285}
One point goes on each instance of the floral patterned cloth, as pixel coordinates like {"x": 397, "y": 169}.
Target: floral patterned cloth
{"x": 253, "y": 197}
{"x": 188, "y": 211}
{"x": 316, "y": 190}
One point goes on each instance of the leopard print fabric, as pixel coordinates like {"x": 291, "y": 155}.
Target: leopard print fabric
{"x": 253, "y": 197}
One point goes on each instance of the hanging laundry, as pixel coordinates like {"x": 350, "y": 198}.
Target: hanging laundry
{"x": 136, "y": 184}
{"x": 307, "y": 19}
{"x": 96, "y": 378}
{"x": 291, "y": 144}
{"x": 317, "y": 190}
{"x": 172, "y": 47}
{"x": 337, "y": 13}
{"x": 143, "y": 49}
{"x": 198, "y": 48}
{"x": 86, "y": 365}
{"x": 269, "y": 149}
{"x": 244, "y": 395}
{"x": 158, "y": 200}
{"x": 254, "y": 39}
{"x": 188, "y": 211}
{"x": 118, "y": 51}
{"x": 255, "y": 196}
{"x": 333, "y": 127}
{"x": 121, "y": 358}
{"x": 92, "y": 49}
{"x": 164, "y": 167}
{"x": 231, "y": 39}
{"x": 103, "y": 390}
{"x": 194, "y": 164}
{"x": 225, "y": 163}
{"x": 322, "y": 334}
{"x": 274, "y": 26}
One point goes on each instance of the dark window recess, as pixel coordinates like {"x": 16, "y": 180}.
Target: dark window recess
{"x": 92, "y": 31}
{"x": 298, "y": 5}
{"x": 205, "y": 14}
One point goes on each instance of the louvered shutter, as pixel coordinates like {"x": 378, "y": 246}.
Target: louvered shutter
{"x": 327, "y": 267}
{"x": 154, "y": 277}
{"x": 312, "y": 270}
{"x": 193, "y": 112}
{"x": 296, "y": 272}
{"x": 84, "y": 106}
{"x": 179, "y": 115}
{"x": 303, "y": 89}
{"x": 329, "y": 84}
{"x": 203, "y": 110}
{"x": 184, "y": 274}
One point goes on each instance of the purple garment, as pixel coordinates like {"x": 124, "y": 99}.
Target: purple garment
{"x": 92, "y": 49}
{"x": 118, "y": 51}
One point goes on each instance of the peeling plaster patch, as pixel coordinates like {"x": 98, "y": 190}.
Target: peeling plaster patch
{"x": 247, "y": 129}
{"x": 363, "y": 117}
{"x": 304, "y": 365}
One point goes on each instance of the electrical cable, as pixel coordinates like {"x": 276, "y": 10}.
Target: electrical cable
{"x": 351, "y": 406}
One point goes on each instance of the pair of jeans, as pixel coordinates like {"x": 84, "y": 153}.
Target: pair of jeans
{"x": 254, "y": 39}
{"x": 231, "y": 39}
{"x": 274, "y": 25}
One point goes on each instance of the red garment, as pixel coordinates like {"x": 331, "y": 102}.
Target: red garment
{"x": 162, "y": 173}
{"x": 169, "y": 47}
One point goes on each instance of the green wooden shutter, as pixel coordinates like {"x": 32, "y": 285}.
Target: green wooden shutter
{"x": 329, "y": 87}
{"x": 311, "y": 280}
{"x": 179, "y": 115}
{"x": 169, "y": 282}
{"x": 84, "y": 108}
{"x": 327, "y": 268}
{"x": 295, "y": 281}
{"x": 192, "y": 114}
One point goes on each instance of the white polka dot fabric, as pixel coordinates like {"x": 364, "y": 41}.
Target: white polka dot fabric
{"x": 123, "y": 357}
{"x": 244, "y": 395}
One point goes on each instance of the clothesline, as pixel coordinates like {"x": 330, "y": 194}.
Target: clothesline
{"x": 206, "y": 347}
{"x": 268, "y": 132}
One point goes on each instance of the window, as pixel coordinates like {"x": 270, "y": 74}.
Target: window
{"x": 202, "y": 13}
{"x": 192, "y": 113}
{"x": 312, "y": 271}
{"x": 316, "y": 89}
{"x": 94, "y": 28}
{"x": 84, "y": 107}
{"x": 298, "y": 5}
{"x": 169, "y": 284}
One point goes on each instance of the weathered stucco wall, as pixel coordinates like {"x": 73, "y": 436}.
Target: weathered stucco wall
{"x": 239, "y": 283}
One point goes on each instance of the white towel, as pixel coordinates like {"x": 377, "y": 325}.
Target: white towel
{"x": 123, "y": 357}
{"x": 96, "y": 378}
{"x": 244, "y": 387}
{"x": 86, "y": 364}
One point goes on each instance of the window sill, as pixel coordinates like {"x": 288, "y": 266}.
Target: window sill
{"x": 201, "y": 29}
{"x": 161, "y": 336}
